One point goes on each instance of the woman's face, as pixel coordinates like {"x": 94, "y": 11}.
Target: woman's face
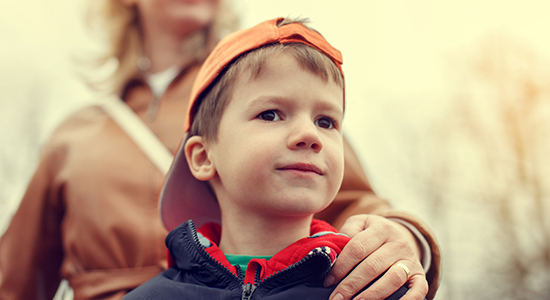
{"x": 181, "y": 17}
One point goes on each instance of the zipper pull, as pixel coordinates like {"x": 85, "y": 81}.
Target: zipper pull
{"x": 248, "y": 289}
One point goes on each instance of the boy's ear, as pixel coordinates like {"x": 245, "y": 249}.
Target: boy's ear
{"x": 197, "y": 157}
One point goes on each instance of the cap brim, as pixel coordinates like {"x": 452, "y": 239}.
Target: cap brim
{"x": 183, "y": 197}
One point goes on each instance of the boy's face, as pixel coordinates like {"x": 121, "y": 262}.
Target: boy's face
{"x": 279, "y": 148}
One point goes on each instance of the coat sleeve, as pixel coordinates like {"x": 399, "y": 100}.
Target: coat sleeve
{"x": 357, "y": 197}
{"x": 30, "y": 248}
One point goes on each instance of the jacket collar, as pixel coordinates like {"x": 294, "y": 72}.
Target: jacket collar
{"x": 190, "y": 248}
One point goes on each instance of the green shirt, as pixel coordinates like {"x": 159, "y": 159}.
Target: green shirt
{"x": 243, "y": 260}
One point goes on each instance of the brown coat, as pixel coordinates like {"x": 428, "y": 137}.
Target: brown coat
{"x": 90, "y": 212}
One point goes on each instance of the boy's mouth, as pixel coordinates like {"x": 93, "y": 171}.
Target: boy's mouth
{"x": 303, "y": 167}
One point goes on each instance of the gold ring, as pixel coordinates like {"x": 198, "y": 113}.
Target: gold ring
{"x": 402, "y": 265}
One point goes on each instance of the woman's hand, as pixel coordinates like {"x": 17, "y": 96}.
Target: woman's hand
{"x": 378, "y": 244}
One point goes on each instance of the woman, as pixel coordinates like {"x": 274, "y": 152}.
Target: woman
{"x": 90, "y": 212}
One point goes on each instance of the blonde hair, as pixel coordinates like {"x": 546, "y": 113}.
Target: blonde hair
{"x": 119, "y": 23}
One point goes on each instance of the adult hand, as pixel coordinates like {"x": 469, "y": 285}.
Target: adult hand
{"x": 377, "y": 245}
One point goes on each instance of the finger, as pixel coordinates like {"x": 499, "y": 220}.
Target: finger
{"x": 418, "y": 288}
{"x": 402, "y": 266}
{"x": 394, "y": 280}
{"x": 365, "y": 272}
{"x": 352, "y": 255}
{"x": 414, "y": 285}
{"x": 354, "y": 225}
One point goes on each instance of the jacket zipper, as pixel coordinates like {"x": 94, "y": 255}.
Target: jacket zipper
{"x": 228, "y": 272}
{"x": 248, "y": 289}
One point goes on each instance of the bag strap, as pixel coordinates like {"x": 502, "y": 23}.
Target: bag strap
{"x": 139, "y": 132}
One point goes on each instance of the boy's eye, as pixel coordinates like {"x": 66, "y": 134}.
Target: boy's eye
{"x": 269, "y": 115}
{"x": 325, "y": 122}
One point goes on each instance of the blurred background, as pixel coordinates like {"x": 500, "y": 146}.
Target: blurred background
{"x": 448, "y": 108}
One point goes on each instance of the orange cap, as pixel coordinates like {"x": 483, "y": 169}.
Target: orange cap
{"x": 184, "y": 197}
{"x": 246, "y": 40}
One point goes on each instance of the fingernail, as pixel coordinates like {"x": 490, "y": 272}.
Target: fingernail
{"x": 329, "y": 280}
{"x": 338, "y": 297}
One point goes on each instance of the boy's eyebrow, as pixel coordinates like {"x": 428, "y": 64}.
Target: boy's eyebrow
{"x": 266, "y": 99}
{"x": 277, "y": 100}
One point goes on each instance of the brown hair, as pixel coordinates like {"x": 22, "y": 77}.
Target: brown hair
{"x": 120, "y": 24}
{"x": 212, "y": 101}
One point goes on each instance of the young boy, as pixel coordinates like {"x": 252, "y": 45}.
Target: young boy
{"x": 264, "y": 130}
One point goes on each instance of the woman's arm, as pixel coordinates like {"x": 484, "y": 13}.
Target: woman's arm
{"x": 30, "y": 249}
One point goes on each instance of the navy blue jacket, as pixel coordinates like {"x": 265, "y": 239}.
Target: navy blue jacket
{"x": 201, "y": 270}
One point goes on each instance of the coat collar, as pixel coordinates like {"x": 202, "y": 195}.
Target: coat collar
{"x": 189, "y": 247}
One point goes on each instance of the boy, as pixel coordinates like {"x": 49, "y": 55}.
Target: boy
{"x": 264, "y": 129}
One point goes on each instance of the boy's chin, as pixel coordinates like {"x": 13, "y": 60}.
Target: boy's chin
{"x": 297, "y": 210}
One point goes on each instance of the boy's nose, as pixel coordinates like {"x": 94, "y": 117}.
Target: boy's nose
{"x": 305, "y": 136}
